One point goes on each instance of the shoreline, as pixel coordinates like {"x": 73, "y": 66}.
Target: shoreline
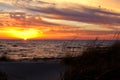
{"x": 37, "y": 60}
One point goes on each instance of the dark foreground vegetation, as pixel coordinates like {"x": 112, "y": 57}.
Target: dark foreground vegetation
{"x": 5, "y": 59}
{"x": 96, "y": 63}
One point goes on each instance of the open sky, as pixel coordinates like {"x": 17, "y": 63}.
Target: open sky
{"x": 60, "y": 19}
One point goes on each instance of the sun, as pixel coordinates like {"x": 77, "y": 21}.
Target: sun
{"x": 25, "y": 39}
{"x": 25, "y": 34}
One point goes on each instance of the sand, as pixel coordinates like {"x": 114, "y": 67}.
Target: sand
{"x": 32, "y": 70}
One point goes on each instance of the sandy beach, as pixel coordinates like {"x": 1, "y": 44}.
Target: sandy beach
{"x": 32, "y": 71}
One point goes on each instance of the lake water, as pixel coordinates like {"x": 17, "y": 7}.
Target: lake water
{"x": 16, "y": 49}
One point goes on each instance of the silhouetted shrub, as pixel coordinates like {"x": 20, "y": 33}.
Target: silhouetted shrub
{"x": 95, "y": 62}
{"x": 4, "y": 57}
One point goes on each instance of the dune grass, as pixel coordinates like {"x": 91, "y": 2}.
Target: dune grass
{"x": 96, "y": 63}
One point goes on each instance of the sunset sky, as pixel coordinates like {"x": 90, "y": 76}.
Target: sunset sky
{"x": 59, "y": 19}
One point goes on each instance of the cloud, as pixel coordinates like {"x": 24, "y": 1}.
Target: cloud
{"x": 66, "y": 19}
{"x": 7, "y": 7}
{"x": 76, "y": 12}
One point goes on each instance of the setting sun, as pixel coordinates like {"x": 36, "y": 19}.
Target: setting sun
{"x": 25, "y": 39}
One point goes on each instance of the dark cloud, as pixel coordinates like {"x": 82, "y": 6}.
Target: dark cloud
{"x": 78, "y": 13}
{"x": 98, "y": 32}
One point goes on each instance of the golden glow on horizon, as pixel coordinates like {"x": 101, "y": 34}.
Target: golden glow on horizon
{"x": 22, "y": 33}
